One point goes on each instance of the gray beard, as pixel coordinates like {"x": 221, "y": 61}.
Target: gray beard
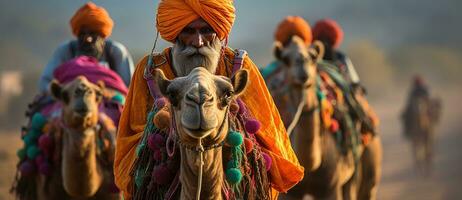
{"x": 186, "y": 58}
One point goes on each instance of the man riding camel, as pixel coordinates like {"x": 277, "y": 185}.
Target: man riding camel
{"x": 330, "y": 34}
{"x": 199, "y": 33}
{"x": 92, "y": 25}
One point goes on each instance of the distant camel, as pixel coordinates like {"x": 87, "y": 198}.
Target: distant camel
{"x": 329, "y": 172}
{"x": 419, "y": 120}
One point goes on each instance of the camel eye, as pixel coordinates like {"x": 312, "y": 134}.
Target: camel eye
{"x": 79, "y": 92}
{"x": 227, "y": 96}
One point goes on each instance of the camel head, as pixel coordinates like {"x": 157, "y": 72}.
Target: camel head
{"x": 80, "y": 99}
{"x": 200, "y": 103}
{"x": 300, "y": 60}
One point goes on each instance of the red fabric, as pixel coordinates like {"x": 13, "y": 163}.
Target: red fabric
{"x": 328, "y": 28}
{"x": 92, "y": 70}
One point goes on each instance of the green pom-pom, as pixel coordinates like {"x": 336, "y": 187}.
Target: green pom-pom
{"x": 234, "y": 139}
{"x": 320, "y": 95}
{"x": 29, "y": 140}
{"x": 21, "y": 153}
{"x": 231, "y": 164}
{"x": 118, "y": 98}
{"x": 34, "y": 133}
{"x": 233, "y": 176}
{"x": 32, "y": 152}
{"x": 38, "y": 121}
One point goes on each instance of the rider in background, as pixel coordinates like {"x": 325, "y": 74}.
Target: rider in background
{"x": 419, "y": 88}
{"x": 92, "y": 25}
{"x": 331, "y": 35}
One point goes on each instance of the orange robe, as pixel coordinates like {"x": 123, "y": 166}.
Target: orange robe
{"x": 285, "y": 171}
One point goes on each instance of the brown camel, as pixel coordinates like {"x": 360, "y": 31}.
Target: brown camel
{"x": 329, "y": 173}
{"x": 200, "y": 105}
{"x": 85, "y": 170}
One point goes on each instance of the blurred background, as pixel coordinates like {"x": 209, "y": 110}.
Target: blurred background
{"x": 388, "y": 42}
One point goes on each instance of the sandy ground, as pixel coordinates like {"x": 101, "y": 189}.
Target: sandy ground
{"x": 399, "y": 180}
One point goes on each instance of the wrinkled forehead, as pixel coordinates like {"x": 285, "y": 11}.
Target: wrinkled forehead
{"x": 202, "y": 77}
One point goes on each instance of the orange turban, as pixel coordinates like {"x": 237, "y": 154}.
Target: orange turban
{"x": 293, "y": 25}
{"x": 174, "y": 15}
{"x": 94, "y": 18}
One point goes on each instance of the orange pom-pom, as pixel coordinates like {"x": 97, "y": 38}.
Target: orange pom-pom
{"x": 162, "y": 119}
{"x": 366, "y": 138}
{"x": 46, "y": 128}
{"x": 248, "y": 145}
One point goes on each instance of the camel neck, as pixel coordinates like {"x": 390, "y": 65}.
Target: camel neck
{"x": 212, "y": 177}
{"x": 81, "y": 174}
{"x": 307, "y": 133}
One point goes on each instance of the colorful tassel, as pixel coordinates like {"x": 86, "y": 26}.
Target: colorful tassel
{"x": 38, "y": 121}
{"x": 27, "y": 168}
{"x": 252, "y": 126}
{"x": 248, "y": 145}
{"x": 234, "y": 139}
{"x": 233, "y": 176}
{"x": 268, "y": 161}
{"x": 32, "y": 152}
{"x": 162, "y": 119}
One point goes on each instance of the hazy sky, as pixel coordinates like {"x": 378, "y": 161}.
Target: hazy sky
{"x": 32, "y": 29}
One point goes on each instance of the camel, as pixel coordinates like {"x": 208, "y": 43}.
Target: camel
{"x": 81, "y": 169}
{"x": 419, "y": 120}
{"x": 329, "y": 173}
{"x": 200, "y": 104}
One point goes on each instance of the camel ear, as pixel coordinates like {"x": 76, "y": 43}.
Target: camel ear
{"x": 101, "y": 86}
{"x": 55, "y": 89}
{"x": 240, "y": 81}
{"x": 162, "y": 81}
{"x": 277, "y": 49}
{"x": 316, "y": 51}
{"x": 57, "y": 92}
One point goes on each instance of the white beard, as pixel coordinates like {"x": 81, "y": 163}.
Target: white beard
{"x": 185, "y": 58}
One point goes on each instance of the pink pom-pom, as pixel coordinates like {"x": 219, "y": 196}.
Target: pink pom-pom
{"x": 39, "y": 160}
{"x": 334, "y": 126}
{"x": 241, "y": 106}
{"x": 160, "y": 102}
{"x": 162, "y": 175}
{"x": 268, "y": 161}
{"x": 151, "y": 143}
{"x": 157, "y": 155}
{"x": 252, "y": 126}
{"x": 159, "y": 141}
{"x": 45, "y": 169}
{"x": 45, "y": 142}
{"x": 27, "y": 168}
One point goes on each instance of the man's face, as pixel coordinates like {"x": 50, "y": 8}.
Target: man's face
{"x": 197, "y": 45}
{"x": 90, "y": 43}
{"x": 197, "y": 34}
